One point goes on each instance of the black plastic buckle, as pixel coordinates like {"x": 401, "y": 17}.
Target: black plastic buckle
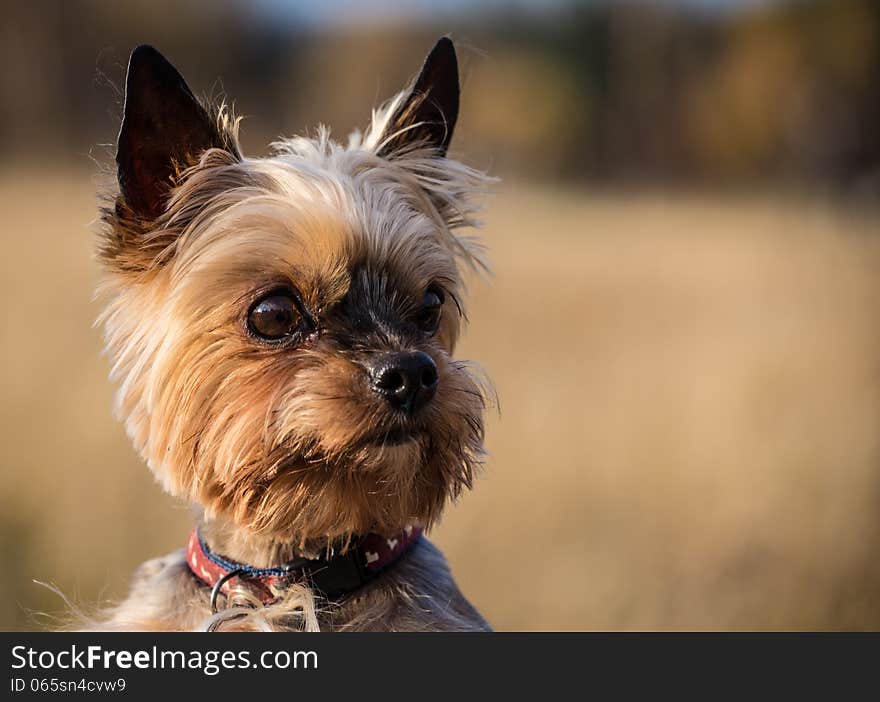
{"x": 340, "y": 575}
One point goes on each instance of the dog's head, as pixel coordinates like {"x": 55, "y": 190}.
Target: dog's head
{"x": 282, "y": 329}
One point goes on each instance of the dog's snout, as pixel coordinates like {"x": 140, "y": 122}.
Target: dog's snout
{"x": 407, "y": 381}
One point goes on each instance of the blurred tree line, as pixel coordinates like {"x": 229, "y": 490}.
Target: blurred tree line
{"x": 610, "y": 92}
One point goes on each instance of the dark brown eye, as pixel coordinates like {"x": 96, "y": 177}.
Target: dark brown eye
{"x": 431, "y": 310}
{"x": 274, "y": 317}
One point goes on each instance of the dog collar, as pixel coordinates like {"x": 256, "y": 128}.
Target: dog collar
{"x": 331, "y": 577}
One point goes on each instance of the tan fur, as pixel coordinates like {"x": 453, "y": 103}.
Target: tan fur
{"x": 271, "y": 443}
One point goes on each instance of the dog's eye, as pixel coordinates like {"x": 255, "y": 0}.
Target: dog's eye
{"x": 274, "y": 316}
{"x": 430, "y": 311}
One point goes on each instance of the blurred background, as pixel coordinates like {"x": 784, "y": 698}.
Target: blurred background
{"x": 682, "y": 326}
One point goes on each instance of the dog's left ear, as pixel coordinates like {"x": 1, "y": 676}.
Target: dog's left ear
{"x": 427, "y": 115}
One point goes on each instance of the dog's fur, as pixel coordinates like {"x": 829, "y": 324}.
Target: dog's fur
{"x": 280, "y": 444}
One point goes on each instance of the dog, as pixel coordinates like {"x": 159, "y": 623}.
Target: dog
{"x": 281, "y": 331}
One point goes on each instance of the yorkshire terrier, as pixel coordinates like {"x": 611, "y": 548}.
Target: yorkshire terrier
{"x": 282, "y": 330}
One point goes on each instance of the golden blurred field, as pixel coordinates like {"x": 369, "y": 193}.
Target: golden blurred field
{"x": 689, "y": 435}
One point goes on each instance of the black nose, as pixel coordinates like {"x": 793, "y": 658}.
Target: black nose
{"x": 407, "y": 380}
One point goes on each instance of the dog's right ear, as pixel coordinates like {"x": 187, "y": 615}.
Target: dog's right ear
{"x": 164, "y": 130}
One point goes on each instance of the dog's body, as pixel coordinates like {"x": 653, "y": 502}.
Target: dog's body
{"x": 282, "y": 332}
{"x": 418, "y": 594}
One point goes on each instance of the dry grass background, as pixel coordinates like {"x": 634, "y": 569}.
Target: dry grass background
{"x": 689, "y": 433}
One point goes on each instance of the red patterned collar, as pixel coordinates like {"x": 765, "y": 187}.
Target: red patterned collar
{"x": 332, "y": 577}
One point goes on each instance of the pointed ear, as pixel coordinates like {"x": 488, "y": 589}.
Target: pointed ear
{"x": 428, "y": 113}
{"x": 164, "y": 130}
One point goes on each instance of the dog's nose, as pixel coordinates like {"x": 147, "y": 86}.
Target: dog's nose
{"x": 407, "y": 380}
